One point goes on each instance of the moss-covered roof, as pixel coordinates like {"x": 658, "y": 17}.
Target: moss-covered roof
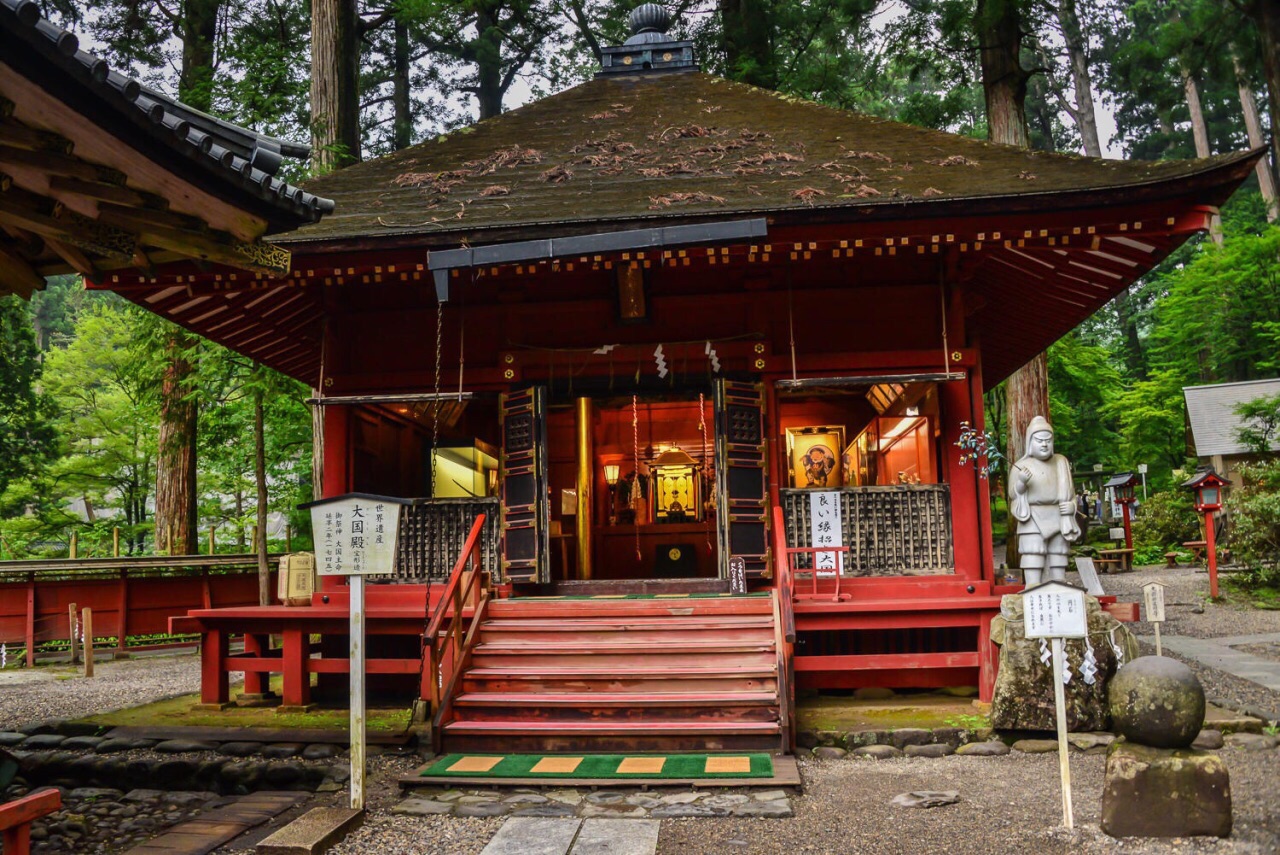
{"x": 686, "y": 146}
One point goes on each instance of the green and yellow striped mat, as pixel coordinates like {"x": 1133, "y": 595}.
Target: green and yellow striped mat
{"x": 535, "y": 766}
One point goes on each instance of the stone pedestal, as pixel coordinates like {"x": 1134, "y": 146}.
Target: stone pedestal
{"x": 1165, "y": 792}
{"x": 1023, "y": 697}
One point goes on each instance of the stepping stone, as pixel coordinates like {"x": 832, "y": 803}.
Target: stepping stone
{"x": 616, "y": 837}
{"x": 995, "y": 748}
{"x": 487, "y": 809}
{"x": 9, "y": 739}
{"x": 829, "y": 752}
{"x": 1208, "y": 740}
{"x": 422, "y": 807}
{"x": 183, "y": 746}
{"x": 553, "y": 809}
{"x": 42, "y": 741}
{"x": 778, "y": 808}
{"x": 1243, "y": 741}
{"x": 117, "y": 744}
{"x": 81, "y": 743}
{"x": 925, "y": 799}
{"x": 1036, "y": 746}
{"x": 236, "y": 749}
{"x": 678, "y": 811}
{"x": 533, "y": 836}
{"x": 877, "y": 752}
{"x": 934, "y": 750}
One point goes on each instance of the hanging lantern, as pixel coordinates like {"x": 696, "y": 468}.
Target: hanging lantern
{"x": 611, "y": 473}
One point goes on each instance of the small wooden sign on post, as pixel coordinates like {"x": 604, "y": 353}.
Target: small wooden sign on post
{"x": 355, "y": 536}
{"x": 1056, "y": 611}
{"x": 737, "y": 575}
{"x": 1153, "y": 599}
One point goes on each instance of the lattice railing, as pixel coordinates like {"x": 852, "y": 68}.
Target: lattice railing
{"x": 901, "y": 530}
{"x": 432, "y": 533}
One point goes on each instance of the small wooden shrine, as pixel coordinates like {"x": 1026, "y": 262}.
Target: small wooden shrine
{"x": 660, "y": 328}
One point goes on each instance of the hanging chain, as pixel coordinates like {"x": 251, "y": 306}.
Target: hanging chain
{"x": 635, "y": 451}
{"x": 435, "y": 401}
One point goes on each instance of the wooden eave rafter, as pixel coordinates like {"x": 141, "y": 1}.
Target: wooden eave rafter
{"x": 63, "y": 212}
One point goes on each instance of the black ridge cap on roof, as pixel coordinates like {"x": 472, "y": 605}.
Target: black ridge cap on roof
{"x": 237, "y": 159}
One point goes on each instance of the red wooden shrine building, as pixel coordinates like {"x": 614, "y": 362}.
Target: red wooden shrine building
{"x": 654, "y": 328}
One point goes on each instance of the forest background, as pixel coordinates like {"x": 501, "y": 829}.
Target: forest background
{"x": 110, "y": 418}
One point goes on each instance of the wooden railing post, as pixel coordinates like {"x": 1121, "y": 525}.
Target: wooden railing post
{"x": 115, "y": 541}
{"x": 31, "y": 619}
{"x": 16, "y": 818}
{"x": 122, "y": 606}
{"x": 88, "y": 641}
{"x": 71, "y": 612}
{"x": 75, "y": 545}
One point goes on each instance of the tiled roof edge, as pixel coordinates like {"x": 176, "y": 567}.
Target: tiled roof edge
{"x": 242, "y": 158}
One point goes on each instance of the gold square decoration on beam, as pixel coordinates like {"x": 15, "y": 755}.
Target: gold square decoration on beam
{"x": 641, "y": 765}
{"x": 474, "y": 764}
{"x": 728, "y": 764}
{"x": 562, "y": 765}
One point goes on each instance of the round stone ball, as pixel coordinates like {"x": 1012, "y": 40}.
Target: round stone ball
{"x": 1157, "y": 701}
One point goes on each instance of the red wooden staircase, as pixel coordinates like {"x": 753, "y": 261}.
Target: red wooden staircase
{"x": 602, "y": 675}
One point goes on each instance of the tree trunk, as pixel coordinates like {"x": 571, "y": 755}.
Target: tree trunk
{"x": 488, "y": 65}
{"x": 1252, "y": 125}
{"x": 1081, "y": 80}
{"x": 260, "y": 478}
{"x": 240, "y": 543}
{"x": 1026, "y": 396}
{"x": 402, "y": 123}
{"x": 1004, "y": 80}
{"x": 1135, "y": 359}
{"x": 1266, "y": 15}
{"x": 1199, "y": 131}
{"x": 199, "y": 30}
{"x": 335, "y": 90}
{"x": 175, "y": 516}
{"x": 747, "y": 27}
{"x": 1004, "y": 83}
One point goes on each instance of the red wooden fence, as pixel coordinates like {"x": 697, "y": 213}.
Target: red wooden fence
{"x": 129, "y": 596}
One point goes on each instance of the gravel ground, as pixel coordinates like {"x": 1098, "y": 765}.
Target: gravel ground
{"x": 38, "y": 694}
{"x": 1188, "y": 611}
{"x": 1008, "y": 804}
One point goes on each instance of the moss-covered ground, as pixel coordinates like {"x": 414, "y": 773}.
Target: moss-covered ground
{"x": 828, "y": 712}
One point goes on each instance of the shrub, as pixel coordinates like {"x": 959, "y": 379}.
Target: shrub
{"x": 1254, "y": 511}
{"x": 1167, "y": 519}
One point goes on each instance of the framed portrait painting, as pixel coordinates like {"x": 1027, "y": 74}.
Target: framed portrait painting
{"x": 815, "y": 456}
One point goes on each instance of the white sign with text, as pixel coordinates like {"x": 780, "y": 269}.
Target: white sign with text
{"x": 826, "y": 531}
{"x": 355, "y": 536}
{"x": 1153, "y": 595}
{"x": 1055, "y": 610}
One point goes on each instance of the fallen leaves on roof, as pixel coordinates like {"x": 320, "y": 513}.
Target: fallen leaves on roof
{"x": 669, "y": 199}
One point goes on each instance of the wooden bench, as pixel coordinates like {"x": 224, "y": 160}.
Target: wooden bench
{"x": 1171, "y": 560}
{"x": 16, "y": 818}
{"x": 1123, "y": 558}
{"x": 1197, "y": 548}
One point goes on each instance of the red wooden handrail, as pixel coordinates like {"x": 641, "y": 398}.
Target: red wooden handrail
{"x": 782, "y": 569}
{"x": 16, "y": 818}
{"x": 466, "y": 583}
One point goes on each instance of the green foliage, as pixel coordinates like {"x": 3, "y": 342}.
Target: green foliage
{"x": 1166, "y": 521}
{"x": 1254, "y": 511}
{"x": 26, "y": 435}
{"x": 1260, "y": 424}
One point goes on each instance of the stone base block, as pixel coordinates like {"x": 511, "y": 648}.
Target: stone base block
{"x": 293, "y": 709}
{"x": 211, "y": 707}
{"x": 1165, "y": 792}
{"x": 257, "y": 699}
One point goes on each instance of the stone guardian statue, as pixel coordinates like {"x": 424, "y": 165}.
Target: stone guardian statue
{"x": 1042, "y": 500}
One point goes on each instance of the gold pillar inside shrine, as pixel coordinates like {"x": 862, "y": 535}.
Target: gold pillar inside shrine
{"x": 586, "y": 475}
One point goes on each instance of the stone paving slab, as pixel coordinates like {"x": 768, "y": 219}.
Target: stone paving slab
{"x": 533, "y": 836}
{"x": 1216, "y": 654}
{"x": 313, "y": 832}
{"x": 617, "y": 837}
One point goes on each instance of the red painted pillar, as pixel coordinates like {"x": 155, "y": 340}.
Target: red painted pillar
{"x": 214, "y": 687}
{"x": 255, "y": 645}
{"x": 988, "y": 661}
{"x": 31, "y": 620}
{"x": 1128, "y": 527}
{"x": 966, "y": 525}
{"x": 297, "y": 682}
{"x": 122, "y": 610}
{"x": 337, "y": 422}
{"x": 1212, "y": 551}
